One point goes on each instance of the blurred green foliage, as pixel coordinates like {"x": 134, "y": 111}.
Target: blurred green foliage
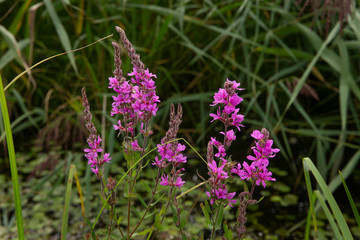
{"x": 300, "y": 82}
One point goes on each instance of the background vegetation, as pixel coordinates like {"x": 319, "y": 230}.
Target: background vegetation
{"x": 301, "y": 77}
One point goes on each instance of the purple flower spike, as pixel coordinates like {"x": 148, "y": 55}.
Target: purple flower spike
{"x": 227, "y": 100}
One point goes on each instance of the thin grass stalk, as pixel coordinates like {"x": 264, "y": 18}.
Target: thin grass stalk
{"x": 46, "y": 59}
{"x": 12, "y": 159}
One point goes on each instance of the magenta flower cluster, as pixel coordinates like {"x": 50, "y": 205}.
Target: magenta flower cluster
{"x": 170, "y": 154}
{"x": 257, "y": 171}
{"x": 136, "y": 100}
{"x": 94, "y": 160}
{"x": 227, "y": 101}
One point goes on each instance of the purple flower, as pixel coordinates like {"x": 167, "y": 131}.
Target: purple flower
{"x": 164, "y": 180}
{"x": 229, "y": 137}
{"x": 95, "y": 170}
{"x": 257, "y": 135}
{"x": 169, "y": 181}
{"x": 230, "y": 199}
{"x": 94, "y": 147}
{"x": 217, "y": 172}
{"x": 106, "y": 158}
{"x": 179, "y": 183}
{"x": 264, "y": 175}
{"x": 135, "y": 146}
{"x": 236, "y": 169}
{"x": 92, "y": 155}
{"x": 222, "y": 193}
{"x": 262, "y": 150}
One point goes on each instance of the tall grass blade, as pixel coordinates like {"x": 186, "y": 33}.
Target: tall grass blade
{"x": 13, "y": 46}
{"x": 312, "y": 198}
{"x": 12, "y": 159}
{"x": 308, "y": 221}
{"x": 305, "y": 75}
{"x": 328, "y": 215}
{"x": 65, "y": 219}
{"x": 352, "y": 203}
{"x": 346, "y": 171}
{"x": 344, "y": 228}
{"x": 63, "y": 36}
{"x": 17, "y": 22}
{"x": 10, "y": 55}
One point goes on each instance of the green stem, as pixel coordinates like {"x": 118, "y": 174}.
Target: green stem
{"x": 214, "y": 222}
{"x": 149, "y": 204}
{"x": 116, "y": 223}
{"x": 12, "y": 159}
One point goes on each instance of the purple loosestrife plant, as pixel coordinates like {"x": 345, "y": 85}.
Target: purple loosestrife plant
{"x": 134, "y": 105}
{"x": 227, "y": 112}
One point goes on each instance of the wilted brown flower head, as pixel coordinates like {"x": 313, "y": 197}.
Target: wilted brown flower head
{"x": 330, "y": 9}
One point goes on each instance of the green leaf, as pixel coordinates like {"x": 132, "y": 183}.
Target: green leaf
{"x": 207, "y": 206}
{"x": 346, "y": 171}
{"x": 61, "y": 32}
{"x": 147, "y": 187}
{"x": 227, "y": 232}
{"x": 91, "y": 229}
{"x": 141, "y": 200}
{"x": 157, "y": 218}
{"x": 183, "y": 222}
{"x": 282, "y": 52}
{"x": 11, "y": 55}
{"x": 219, "y": 217}
{"x": 175, "y": 214}
{"x": 107, "y": 205}
{"x": 119, "y": 220}
{"x": 145, "y": 232}
{"x": 307, "y": 71}
{"x": 67, "y": 202}
{"x": 12, "y": 159}
{"x": 328, "y": 215}
{"x": 344, "y": 228}
{"x": 352, "y": 203}
{"x": 258, "y": 201}
{"x": 207, "y": 216}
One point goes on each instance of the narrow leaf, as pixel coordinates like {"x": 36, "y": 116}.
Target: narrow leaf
{"x": 328, "y": 215}
{"x": 61, "y": 32}
{"x": 67, "y": 202}
{"x": 344, "y": 228}
{"x": 12, "y": 159}
{"x": 352, "y": 203}
{"x": 206, "y": 214}
{"x": 219, "y": 218}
